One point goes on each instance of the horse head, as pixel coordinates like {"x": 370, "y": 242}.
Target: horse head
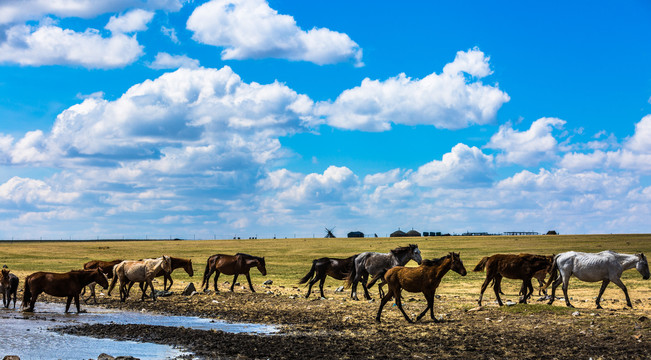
{"x": 188, "y": 268}
{"x": 457, "y": 264}
{"x": 100, "y": 278}
{"x": 415, "y": 253}
{"x": 642, "y": 266}
{"x": 262, "y": 266}
{"x": 4, "y": 276}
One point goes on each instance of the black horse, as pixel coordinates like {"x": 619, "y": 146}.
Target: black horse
{"x": 336, "y": 268}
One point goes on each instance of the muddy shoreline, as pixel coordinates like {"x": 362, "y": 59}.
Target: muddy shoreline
{"x": 338, "y": 328}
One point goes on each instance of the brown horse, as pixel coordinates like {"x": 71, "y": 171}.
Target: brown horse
{"x": 323, "y": 267}
{"x": 60, "y": 284}
{"x": 107, "y": 269}
{"x": 511, "y": 266}
{"x": 186, "y": 264}
{"x": 139, "y": 271}
{"x": 8, "y": 286}
{"x": 232, "y": 265}
{"x": 424, "y": 278}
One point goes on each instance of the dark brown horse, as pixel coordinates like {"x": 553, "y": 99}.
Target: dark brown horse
{"x": 511, "y": 266}
{"x": 323, "y": 267}
{"x": 60, "y": 284}
{"x": 186, "y": 264}
{"x": 424, "y": 278}
{"x": 9, "y": 286}
{"x": 232, "y": 265}
{"x": 107, "y": 269}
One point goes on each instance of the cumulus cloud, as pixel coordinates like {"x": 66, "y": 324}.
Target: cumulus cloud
{"x": 641, "y": 140}
{"x": 52, "y": 45}
{"x": 250, "y": 29}
{"x": 166, "y": 61}
{"x": 132, "y": 21}
{"x": 446, "y": 101}
{"x": 463, "y": 166}
{"x": 528, "y": 147}
{"x": 334, "y": 185}
{"x": 21, "y": 190}
{"x": 15, "y": 11}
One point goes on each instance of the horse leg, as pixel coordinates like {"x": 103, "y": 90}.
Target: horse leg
{"x": 525, "y": 290}
{"x": 496, "y": 287}
{"x": 621, "y": 285}
{"x": 566, "y": 282}
{"x": 32, "y": 302}
{"x": 77, "y": 303}
{"x": 367, "y": 296}
{"x": 554, "y": 286}
{"x": 384, "y": 300}
{"x": 309, "y": 286}
{"x": 68, "y": 300}
{"x": 379, "y": 287}
{"x": 601, "y": 292}
{"x": 483, "y": 288}
{"x": 151, "y": 287}
{"x": 430, "y": 305}
{"x": 353, "y": 292}
{"x": 399, "y": 303}
{"x": 217, "y": 273}
{"x": 321, "y": 286}
{"x": 234, "y": 280}
{"x": 248, "y": 278}
{"x": 167, "y": 276}
{"x": 92, "y": 293}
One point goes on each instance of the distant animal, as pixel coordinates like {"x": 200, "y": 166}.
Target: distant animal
{"x": 139, "y": 271}
{"x": 323, "y": 267}
{"x": 605, "y": 266}
{"x": 424, "y": 278}
{"x": 186, "y": 264}
{"x": 8, "y": 286}
{"x": 374, "y": 263}
{"x": 60, "y": 284}
{"x": 107, "y": 269}
{"x": 511, "y": 266}
{"x": 232, "y": 265}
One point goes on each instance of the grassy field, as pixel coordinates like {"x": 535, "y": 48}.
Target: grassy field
{"x": 289, "y": 259}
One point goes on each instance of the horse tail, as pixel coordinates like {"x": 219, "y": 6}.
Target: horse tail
{"x": 553, "y": 274}
{"x": 206, "y": 272}
{"x": 27, "y": 294}
{"x": 309, "y": 275}
{"x": 351, "y": 276}
{"x": 377, "y": 277}
{"x": 114, "y": 280}
{"x": 481, "y": 265}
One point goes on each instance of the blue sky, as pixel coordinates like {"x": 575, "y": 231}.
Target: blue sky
{"x": 159, "y": 118}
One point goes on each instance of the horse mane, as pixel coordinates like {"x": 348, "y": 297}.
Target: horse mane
{"x": 434, "y": 262}
{"x": 249, "y": 256}
{"x": 403, "y": 249}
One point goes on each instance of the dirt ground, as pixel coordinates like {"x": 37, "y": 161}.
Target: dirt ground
{"x": 338, "y": 328}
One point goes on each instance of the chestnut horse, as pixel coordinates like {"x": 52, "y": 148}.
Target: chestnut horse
{"x": 9, "y": 286}
{"x": 511, "y": 266}
{"x": 60, "y": 284}
{"x": 186, "y": 264}
{"x": 323, "y": 267}
{"x": 107, "y": 269}
{"x": 424, "y": 278}
{"x": 232, "y": 265}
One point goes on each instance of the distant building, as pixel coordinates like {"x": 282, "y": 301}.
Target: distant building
{"x": 413, "y": 233}
{"x": 475, "y": 234}
{"x": 355, "y": 234}
{"x": 521, "y": 233}
{"x": 552, "y": 232}
{"x": 398, "y": 233}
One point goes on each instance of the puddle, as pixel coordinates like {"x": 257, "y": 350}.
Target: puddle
{"x": 27, "y": 335}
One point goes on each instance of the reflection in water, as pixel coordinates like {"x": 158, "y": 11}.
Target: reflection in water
{"x": 27, "y": 335}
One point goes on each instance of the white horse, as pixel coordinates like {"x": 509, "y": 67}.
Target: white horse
{"x": 605, "y": 266}
{"x": 139, "y": 271}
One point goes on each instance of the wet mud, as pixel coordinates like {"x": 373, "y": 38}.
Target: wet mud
{"x": 338, "y": 328}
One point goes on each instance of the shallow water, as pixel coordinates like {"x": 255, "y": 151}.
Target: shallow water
{"x": 27, "y": 334}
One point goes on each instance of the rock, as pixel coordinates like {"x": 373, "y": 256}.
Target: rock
{"x": 163, "y": 293}
{"x": 268, "y": 282}
{"x": 642, "y": 319}
{"x": 11, "y": 357}
{"x": 509, "y": 303}
{"x": 104, "y": 356}
{"x": 189, "y": 289}
{"x": 340, "y": 289}
{"x": 576, "y": 313}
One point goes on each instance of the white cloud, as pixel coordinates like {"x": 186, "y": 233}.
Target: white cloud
{"x": 334, "y": 185}
{"x": 21, "y": 190}
{"x": 446, "y": 101}
{"x": 641, "y": 140}
{"x": 166, "y": 61}
{"x": 132, "y": 21}
{"x": 528, "y": 147}
{"x": 463, "y": 166}
{"x": 15, "y": 11}
{"x": 170, "y": 33}
{"x": 52, "y": 45}
{"x": 383, "y": 178}
{"x": 251, "y": 29}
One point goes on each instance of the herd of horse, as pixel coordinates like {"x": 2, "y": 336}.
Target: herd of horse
{"x": 388, "y": 268}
